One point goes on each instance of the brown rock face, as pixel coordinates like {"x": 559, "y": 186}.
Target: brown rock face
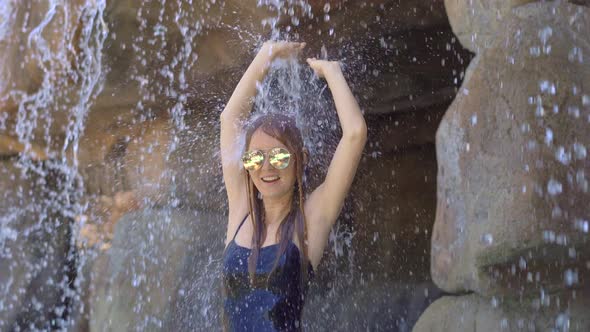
{"x": 150, "y": 135}
{"x": 511, "y": 212}
{"x": 477, "y": 22}
{"x": 41, "y": 61}
{"x": 472, "y": 313}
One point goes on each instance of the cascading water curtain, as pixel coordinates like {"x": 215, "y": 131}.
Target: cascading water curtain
{"x": 62, "y": 42}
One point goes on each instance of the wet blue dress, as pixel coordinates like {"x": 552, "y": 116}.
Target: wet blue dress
{"x": 276, "y": 307}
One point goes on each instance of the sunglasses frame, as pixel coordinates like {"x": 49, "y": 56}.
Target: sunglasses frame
{"x": 266, "y": 154}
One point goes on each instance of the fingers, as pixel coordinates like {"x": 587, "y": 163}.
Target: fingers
{"x": 284, "y": 49}
{"x": 296, "y": 47}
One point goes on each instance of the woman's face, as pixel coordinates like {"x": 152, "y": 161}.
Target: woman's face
{"x": 271, "y": 182}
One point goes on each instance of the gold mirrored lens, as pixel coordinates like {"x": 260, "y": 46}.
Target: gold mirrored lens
{"x": 253, "y": 160}
{"x": 279, "y": 158}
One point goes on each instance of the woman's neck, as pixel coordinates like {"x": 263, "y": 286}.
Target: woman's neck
{"x": 275, "y": 209}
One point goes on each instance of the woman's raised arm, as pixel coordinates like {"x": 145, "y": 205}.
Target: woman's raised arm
{"x": 325, "y": 202}
{"x": 237, "y": 109}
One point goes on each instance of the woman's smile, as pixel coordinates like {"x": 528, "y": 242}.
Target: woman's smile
{"x": 270, "y": 179}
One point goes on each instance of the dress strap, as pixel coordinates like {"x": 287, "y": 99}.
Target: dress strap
{"x": 246, "y": 217}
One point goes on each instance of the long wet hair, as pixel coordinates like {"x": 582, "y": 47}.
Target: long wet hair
{"x": 284, "y": 129}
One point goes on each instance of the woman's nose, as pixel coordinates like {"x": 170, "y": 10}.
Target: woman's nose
{"x": 265, "y": 163}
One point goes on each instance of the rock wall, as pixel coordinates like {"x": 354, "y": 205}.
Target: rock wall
{"x": 36, "y": 254}
{"x": 161, "y": 273}
{"x": 511, "y": 219}
{"x": 148, "y": 143}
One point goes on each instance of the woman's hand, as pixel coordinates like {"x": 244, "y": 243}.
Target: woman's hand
{"x": 323, "y": 67}
{"x": 272, "y": 50}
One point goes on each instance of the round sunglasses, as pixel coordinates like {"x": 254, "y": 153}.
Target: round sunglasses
{"x": 278, "y": 158}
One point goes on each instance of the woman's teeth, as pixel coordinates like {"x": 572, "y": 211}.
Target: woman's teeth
{"x": 270, "y": 178}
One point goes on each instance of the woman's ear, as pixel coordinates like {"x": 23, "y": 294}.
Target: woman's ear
{"x": 305, "y": 156}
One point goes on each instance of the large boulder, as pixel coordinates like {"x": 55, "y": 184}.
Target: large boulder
{"x": 35, "y": 253}
{"x": 512, "y": 178}
{"x": 474, "y": 313}
{"x": 162, "y": 165}
{"x": 162, "y": 272}
{"x": 477, "y": 23}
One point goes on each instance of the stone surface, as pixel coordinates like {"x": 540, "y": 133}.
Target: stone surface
{"x": 511, "y": 213}
{"x": 160, "y": 273}
{"x": 477, "y": 23}
{"x": 153, "y": 130}
{"x": 377, "y": 305}
{"x": 34, "y": 248}
{"x": 474, "y": 313}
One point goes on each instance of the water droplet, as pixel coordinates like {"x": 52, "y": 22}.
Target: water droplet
{"x": 582, "y": 225}
{"x": 579, "y": 151}
{"x": 561, "y": 239}
{"x": 575, "y": 54}
{"x": 494, "y": 302}
{"x": 563, "y": 156}
{"x": 504, "y": 323}
{"x": 522, "y": 263}
{"x": 545, "y": 34}
{"x": 531, "y": 145}
{"x": 549, "y": 236}
{"x": 570, "y": 277}
{"x": 487, "y": 239}
{"x": 554, "y": 187}
{"x": 562, "y": 322}
{"x": 572, "y": 253}
{"x": 548, "y": 136}
{"x": 574, "y": 111}
{"x": 544, "y": 298}
{"x": 546, "y": 86}
{"x": 581, "y": 180}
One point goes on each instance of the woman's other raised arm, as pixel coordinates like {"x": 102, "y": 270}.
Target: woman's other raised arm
{"x": 325, "y": 202}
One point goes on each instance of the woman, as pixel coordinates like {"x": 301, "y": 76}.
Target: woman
{"x": 269, "y": 259}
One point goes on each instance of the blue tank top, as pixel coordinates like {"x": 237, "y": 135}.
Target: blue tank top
{"x": 261, "y": 307}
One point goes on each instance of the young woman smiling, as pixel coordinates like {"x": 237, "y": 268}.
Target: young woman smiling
{"x": 269, "y": 259}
